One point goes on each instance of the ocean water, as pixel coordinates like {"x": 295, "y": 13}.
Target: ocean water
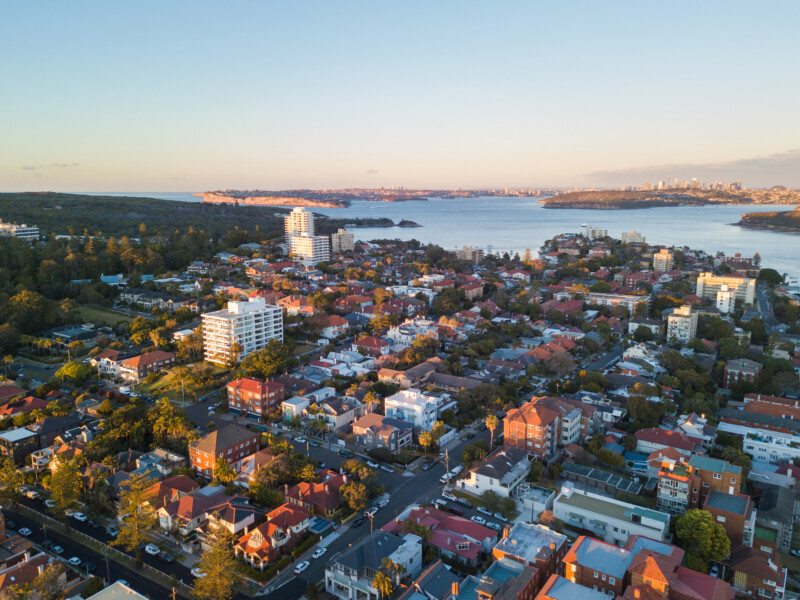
{"x": 514, "y": 224}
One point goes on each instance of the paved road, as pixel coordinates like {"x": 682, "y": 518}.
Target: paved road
{"x": 765, "y": 308}
{"x": 603, "y": 361}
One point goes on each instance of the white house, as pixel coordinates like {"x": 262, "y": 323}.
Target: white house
{"x": 502, "y": 471}
{"x": 417, "y": 407}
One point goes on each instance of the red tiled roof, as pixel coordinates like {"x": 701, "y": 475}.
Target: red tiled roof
{"x": 148, "y": 358}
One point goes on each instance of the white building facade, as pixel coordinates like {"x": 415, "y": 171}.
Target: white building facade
{"x": 298, "y": 222}
{"x": 250, "y": 324}
{"x": 310, "y": 249}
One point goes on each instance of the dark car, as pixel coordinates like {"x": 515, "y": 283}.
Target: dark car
{"x": 463, "y": 502}
{"x": 94, "y": 523}
{"x": 358, "y": 523}
{"x": 456, "y": 510}
{"x": 11, "y": 525}
{"x": 48, "y": 545}
{"x": 89, "y": 567}
{"x": 484, "y": 427}
{"x": 166, "y": 557}
{"x": 470, "y": 435}
{"x": 345, "y": 453}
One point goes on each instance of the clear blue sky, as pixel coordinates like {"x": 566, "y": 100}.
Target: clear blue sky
{"x": 189, "y": 96}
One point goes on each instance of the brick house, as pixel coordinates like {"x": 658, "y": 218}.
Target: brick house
{"x": 757, "y": 574}
{"x": 231, "y": 442}
{"x": 735, "y": 513}
{"x": 254, "y": 396}
{"x": 283, "y": 529}
{"x": 371, "y": 346}
{"x": 741, "y": 370}
{"x": 318, "y": 498}
{"x": 599, "y": 565}
{"x": 376, "y": 431}
{"x": 532, "y": 427}
{"x": 533, "y": 545}
{"x": 137, "y": 368}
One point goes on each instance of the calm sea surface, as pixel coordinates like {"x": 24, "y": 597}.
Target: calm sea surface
{"x": 514, "y": 224}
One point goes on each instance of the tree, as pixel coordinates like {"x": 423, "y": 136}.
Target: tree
{"x": 75, "y": 371}
{"x": 47, "y": 585}
{"x": 219, "y": 564}
{"x": 560, "y": 363}
{"x": 355, "y": 494}
{"x": 65, "y": 487}
{"x": 736, "y": 456}
{"x": 491, "y": 500}
{"x": 491, "y": 423}
{"x": 223, "y": 473}
{"x": 392, "y": 569}
{"x": 138, "y": 517}
{"x": 643, "y": 334}
{"x": 271, "y": 360}
{"x": 11, "y": 478}
{"x": 703, "y": 539}
{"x": 547, "y": 517}
{"x": 425, "y": 440}
{"x": 94, "y": 585}
{"x": 383, "y": 584}
{"x": 106, "y": 408}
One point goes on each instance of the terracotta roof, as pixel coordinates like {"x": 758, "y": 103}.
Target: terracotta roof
{"x": 254, "y": 385}
{"x": 223, "y": 438}
{"x": 148, "y": 358}
{"x": 532, "y": 414}
{"x": 24, "y": 572}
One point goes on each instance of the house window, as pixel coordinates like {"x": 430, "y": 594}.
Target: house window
{"x": 595, "y": 576}
{"x": 717, "y": 476}
{"x": 611, "y": 580}
{"x": 720, "y": 518}
{"x": 604, "y": 577}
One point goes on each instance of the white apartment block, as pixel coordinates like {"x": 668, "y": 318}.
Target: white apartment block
{"x": 726, "y": 300}
{"x": 765, "y": 445}
{"x": 24, "y": 232}
{"x": 298, "y": 222}
{"x": 342, "y": 241}
{"x": 310, "y": 249}
{"x": 471, "y": 254}
{"x": 612, "y": 300}
{"x": 407, "y": 332}
{"x": 414, "y": 406}
{"x": 662, "y": 261}
{"x": 609, "y": 519}
{"x": 743, "y": 287}
{"x": 250, "y": 324}
{"x": 682, "y": 325}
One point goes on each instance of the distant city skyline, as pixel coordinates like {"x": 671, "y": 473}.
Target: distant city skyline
{"x": 178, "y": 97}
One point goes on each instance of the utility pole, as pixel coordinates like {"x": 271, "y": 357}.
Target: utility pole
{"x": 447, "y": 464}
{"x": 371, "y": 517}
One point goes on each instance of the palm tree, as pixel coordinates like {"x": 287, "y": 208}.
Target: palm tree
{"x": 383, "y": 584}
{"x": 491, "y": 423}
{"x": 393, "y": 569}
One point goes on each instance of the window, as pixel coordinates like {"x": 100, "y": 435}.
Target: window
{"x": 611, "y": 580}
{"x": 717, "y": 475}
{"x": 604, "y": 577}
{"x": 720, "y": 518}
{"x": 594, "y": 587}
{"x": 595, "y": 576}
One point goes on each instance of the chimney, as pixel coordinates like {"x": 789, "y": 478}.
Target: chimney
{"x": 552, "y": 545}
{"x": 41, "y": 569}
{"x": 505, "y": 533}
{"x": 454, "y": 589}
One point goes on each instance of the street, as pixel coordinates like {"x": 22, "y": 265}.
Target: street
{"x": 602, "y": 362}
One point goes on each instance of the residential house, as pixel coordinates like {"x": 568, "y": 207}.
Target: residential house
{"x": 321, "y": 497}
{"x": 532, "y": 427}
{"x": 649, "y": 440}
{"x": 757, "y": 574}
{"x": 372, "y": 346}
{"x": 598, "y": 565}
{"x": 255, "y": 397}
{"x": 501, "y": 472}
{"x": 284, "y": 528}
{"x": 505, "y": 579}
{"x": 335, "y": 326}
{"x": 685, "y": 484}
{"x": 741, "y": 370}
{"x": 736, "y": 514}
{"x": 421, "y": 409}
{"x": 137, "y": 368}
{"x": 561, "y": 588}
{"x": 376, "y": 431}
{"x": 533, "y": 545}
{"x": 775, "y": 520}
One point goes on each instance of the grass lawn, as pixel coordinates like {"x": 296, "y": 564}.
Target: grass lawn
{"x": 169, "y": 386}
{"x": 303, "y": 348}
{"x": 98, "y": 315}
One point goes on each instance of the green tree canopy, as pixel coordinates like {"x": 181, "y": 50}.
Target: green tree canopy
{"x": 703, "y": 539}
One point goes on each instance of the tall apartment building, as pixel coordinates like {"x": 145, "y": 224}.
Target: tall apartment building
{"x": 709, "y": 284}
{"x": 471, "y": 254}
{"x": 662, "y": 261}
{"x": 250, "y": 324}
{"x": 632, "y": 237}
{"x": 726, "y": 300}
{"x": 683, "y": 485}
{"x": 253, "y": 396}
{"x": 23, "y": 232}
{"x": 310, "y": 249}
{"x": 298, "y": 222}
{"x": 343, "y": 241}
{"x": 682, "y": 325}
{"x": 532, "y": 427}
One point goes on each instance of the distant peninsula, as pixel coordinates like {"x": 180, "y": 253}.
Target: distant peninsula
{"x": 626, "y": 200}
{"x": 788, "y": 220}
{"x": 342, "y": 198}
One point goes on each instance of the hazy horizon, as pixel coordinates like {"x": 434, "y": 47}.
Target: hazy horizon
{"x": 195, "y": 96}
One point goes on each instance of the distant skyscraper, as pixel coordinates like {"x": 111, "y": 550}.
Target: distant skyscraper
{"x": 298, "y": 222}
{"x": 662, "y": 261}
{"x": 342, "y": 241}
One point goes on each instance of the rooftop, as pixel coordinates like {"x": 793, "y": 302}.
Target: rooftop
{"x": 530, "y": 542}
{"x": 706, "y": 463}
{"x": 559, "y": 588}
{"x": 600, "y": 556}
{"x": 610, "y": 508}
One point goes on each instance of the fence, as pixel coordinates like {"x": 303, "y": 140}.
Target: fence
{"x": 106, "y": 550}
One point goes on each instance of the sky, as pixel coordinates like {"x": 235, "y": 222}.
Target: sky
{"x": 193, "y": 96}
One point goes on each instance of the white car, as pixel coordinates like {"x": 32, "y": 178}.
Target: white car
{"x": 493, "y": 525}
{"x": 319, "y": 552}
{"x": 24, "y": 531}
{"x": 196, "y": 572}
{"x": 49, "y": 503}
{"x": 75, "y": 561}
{"x": 478, "y": 520}
{"x": 370, "y": 511}
{"x": 152, "y": 549}
{"x": 79, "y": 516}
{"x": 300, "y": 440}
{"x": 482, "y": 510}
{"x": 500, "y": 517}
{"x": 57, "y": 550}
{"x": 301, "y": 567}
{"x": 372, "y": 464}
{"x": 70, "y": 513}
{"x": 449, "y": 496}
{"x": 386, "y": 469}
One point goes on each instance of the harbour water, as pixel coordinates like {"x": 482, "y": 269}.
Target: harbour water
{"x": 514, "y": 224}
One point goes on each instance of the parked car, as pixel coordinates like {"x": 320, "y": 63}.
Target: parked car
{"x": 301, "y": 567}
{"x": 75, "y": 561}
{"x": 196, "y": 572}
{"x": 370, "y": 511}
{"x": 456, "y": 510}
{"x": 358, "y": 523}
{"x": 386, "y": 469}
{"x": 112, "y": 531}
{"x": 322, "y": 465}
{"x": 300, "y": 440}
{"x": 500, "y": 517}
{"x": 25, "y": 531}
{"x": 372, "y": 464}
{"x": 166, "y": 557}
{"x": 94, "y": 523}
{"x": 714, "y": 572}
{"x": 48, "y": 545}
{"x": 794, "y": 552}
{"x": 49, "y": 503}
{"x": 11, "y": 525}
{"x": 478, "y": 520}
{"x": 464, "y": 502}
{"x": 484, "y": 511}
{"x": 319, "y": 552}
{"x": 79, "y": 516}
{"x": 32, "y": 495}
{"x": 439, "y": 503}
{"x": 313, "y": 444}
{"x": 57, "y": 550}
{"x": 345, "y": 453}
{"x": 428, "y": 465}
{"x": 69, "y": 512}
{"x": 89, "y": 567}
{"x": 152, "y": 549}
{"x": 449, "y": 496}
{"x": 493, "y": 525}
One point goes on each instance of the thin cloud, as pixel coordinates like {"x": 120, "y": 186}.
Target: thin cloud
{"x": 780, "y": 168}
{"x": 371, "y": 172}
{"x": 55, "y": 165}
